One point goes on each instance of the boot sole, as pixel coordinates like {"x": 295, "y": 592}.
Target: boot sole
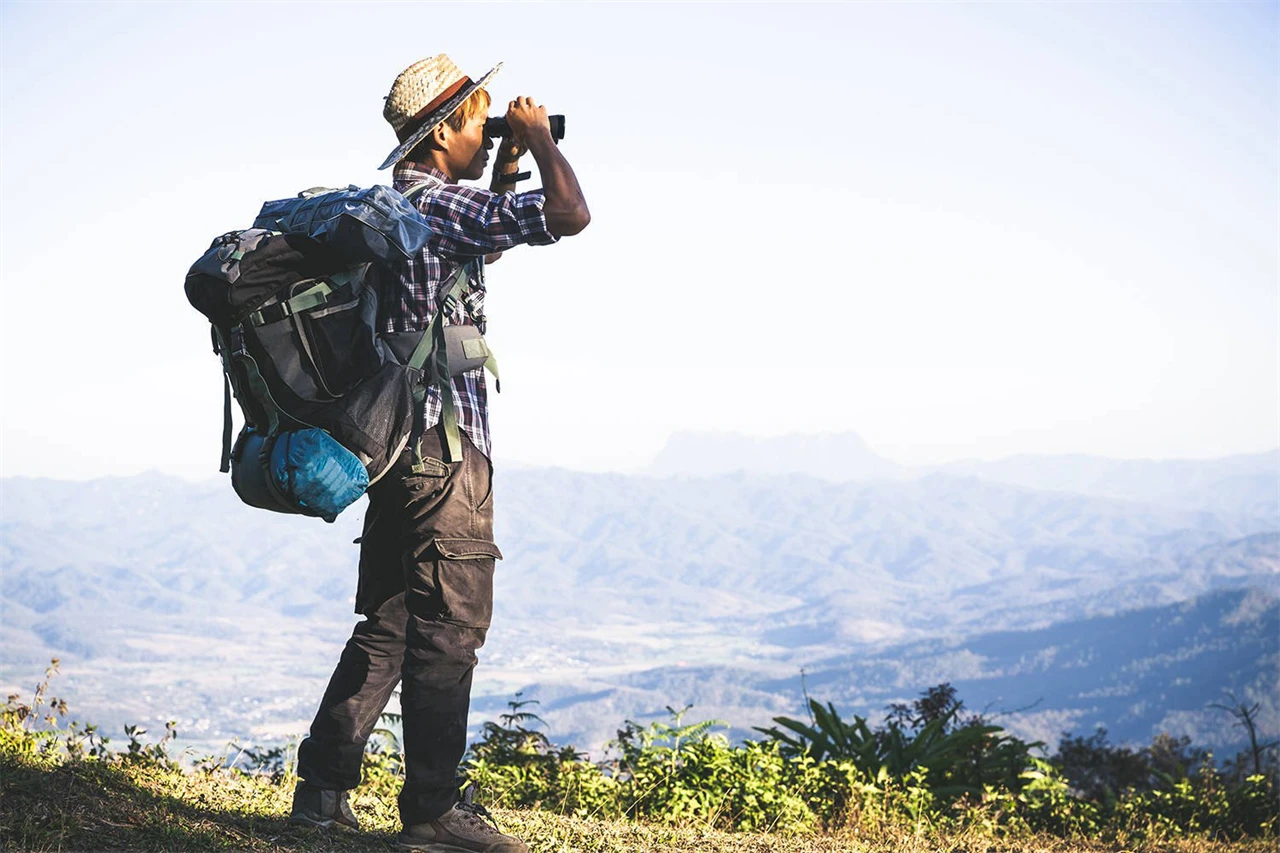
{"x": 312, "y": 823}
{"x": 433, "y": 847}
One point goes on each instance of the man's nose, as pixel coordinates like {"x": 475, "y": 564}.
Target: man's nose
{"x": 488, "y": 143}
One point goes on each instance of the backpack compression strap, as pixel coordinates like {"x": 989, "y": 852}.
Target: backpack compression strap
{"x": 231, "y": 352}
{"x": 218, "y": 347}
{"x": 317, "y": 294}
{"x": 314, "y": 296}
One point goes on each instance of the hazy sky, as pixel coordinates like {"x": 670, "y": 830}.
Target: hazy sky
{"x": 958, "y": 229}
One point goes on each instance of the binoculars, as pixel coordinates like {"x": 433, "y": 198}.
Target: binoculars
{"x": 498, "y": 127}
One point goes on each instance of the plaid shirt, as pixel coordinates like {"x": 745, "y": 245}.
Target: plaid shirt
{"x": 466, "y": 223}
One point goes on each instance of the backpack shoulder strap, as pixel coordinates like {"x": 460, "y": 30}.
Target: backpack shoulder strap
{"x": 434, "y": 333}
{"x": 417, "y": 189}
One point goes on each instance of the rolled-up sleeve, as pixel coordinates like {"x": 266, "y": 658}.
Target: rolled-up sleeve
{"x": 470, "y": 221}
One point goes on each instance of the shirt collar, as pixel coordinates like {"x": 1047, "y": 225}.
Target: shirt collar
{"x": 407, "y": 174}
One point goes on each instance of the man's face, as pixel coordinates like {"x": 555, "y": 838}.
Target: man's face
{"x": 469, "y": 150}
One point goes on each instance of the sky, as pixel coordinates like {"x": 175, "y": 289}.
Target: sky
{"x": 960, "y": 230}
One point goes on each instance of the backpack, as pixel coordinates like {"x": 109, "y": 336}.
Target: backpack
{"x": 328, "y": 404}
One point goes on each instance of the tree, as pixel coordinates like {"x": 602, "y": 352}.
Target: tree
{"x": 1098, "y": 770}
{"x": 1263, "y": 755}
{"x": 1173, "y": 757}
{"x": 935, "y": 703}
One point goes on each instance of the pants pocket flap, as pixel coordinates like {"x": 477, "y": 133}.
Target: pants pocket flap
{"x": 467, "y": 549}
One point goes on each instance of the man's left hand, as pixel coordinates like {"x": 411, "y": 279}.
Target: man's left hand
{"x": 510, "y": 150}
{"x": 506, "y": 161}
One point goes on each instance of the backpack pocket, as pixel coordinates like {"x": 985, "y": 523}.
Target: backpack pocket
{"x": 338, "y": 337}
{"x": 319, "y": 338}
{"x": 464, "y": 347}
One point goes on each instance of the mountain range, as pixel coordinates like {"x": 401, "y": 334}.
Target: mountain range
{"x": 841, "y": 457}
{"x": 1062, "y": 592}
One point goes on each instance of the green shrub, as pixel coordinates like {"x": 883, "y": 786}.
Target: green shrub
{"x": 960, "y": 757}
{"x": 676, "y": 773}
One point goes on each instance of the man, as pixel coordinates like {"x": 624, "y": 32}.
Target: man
{"x": 427, "y": 552}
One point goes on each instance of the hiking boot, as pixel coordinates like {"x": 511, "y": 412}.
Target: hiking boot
{"x": 320, "y": 808}
{"x": 465, "y": 828}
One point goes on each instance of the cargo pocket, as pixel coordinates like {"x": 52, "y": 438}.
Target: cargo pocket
{"x": 464, "y": 578}
{"x": 432, "y": 469}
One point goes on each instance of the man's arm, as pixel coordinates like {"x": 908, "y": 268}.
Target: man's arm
{"x": 506, "y": 162}
{"x": 566, "y": 208}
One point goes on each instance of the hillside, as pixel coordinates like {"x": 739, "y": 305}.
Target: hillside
{"x": 1137, "y": 673}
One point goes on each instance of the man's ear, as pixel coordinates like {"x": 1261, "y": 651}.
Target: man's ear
{"x": 442, "y": 135}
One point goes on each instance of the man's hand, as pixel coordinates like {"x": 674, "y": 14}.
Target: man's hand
{"x": 510, "y": 150}
{"x": 566, "y": 209}
{"x": 526, "y": 119}
{"x": 506, "y": 161}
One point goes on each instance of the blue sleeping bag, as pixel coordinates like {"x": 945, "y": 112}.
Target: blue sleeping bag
{"x": 302, "y": 472}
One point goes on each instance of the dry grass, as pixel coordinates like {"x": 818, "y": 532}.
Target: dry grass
{"x": 142, "y": 806}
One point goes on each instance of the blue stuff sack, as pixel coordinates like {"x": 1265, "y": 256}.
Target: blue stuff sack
{"x": 304, "y": 472}
{"x": 363, "y": 224}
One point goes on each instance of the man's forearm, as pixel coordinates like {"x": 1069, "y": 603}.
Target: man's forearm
{"x": 566, "y": 208}
{"x": 506, "y": 163}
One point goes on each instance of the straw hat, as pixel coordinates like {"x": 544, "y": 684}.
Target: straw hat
{"x": 425, "y": 94}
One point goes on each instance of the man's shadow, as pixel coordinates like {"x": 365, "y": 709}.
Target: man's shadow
{"x": 96, "y": 805}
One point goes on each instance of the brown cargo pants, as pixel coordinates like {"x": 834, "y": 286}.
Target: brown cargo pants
{"x": 426, "y": 593}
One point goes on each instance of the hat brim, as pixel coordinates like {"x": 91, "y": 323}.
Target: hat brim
{"x": 433, "y": 120}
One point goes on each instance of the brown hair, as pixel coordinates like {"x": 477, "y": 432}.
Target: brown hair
{"x": 477, "y": 103}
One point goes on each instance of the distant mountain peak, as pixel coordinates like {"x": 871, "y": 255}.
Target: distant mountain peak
{"x": 827, "y": 456}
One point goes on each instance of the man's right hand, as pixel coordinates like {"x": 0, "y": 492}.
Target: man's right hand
{"x": 527, "y": 120}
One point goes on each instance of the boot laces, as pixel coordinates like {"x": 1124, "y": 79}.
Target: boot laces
{"x": 471, "y": 807}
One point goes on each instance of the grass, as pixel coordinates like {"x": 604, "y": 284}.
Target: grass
{"x": 51, "y": 805}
